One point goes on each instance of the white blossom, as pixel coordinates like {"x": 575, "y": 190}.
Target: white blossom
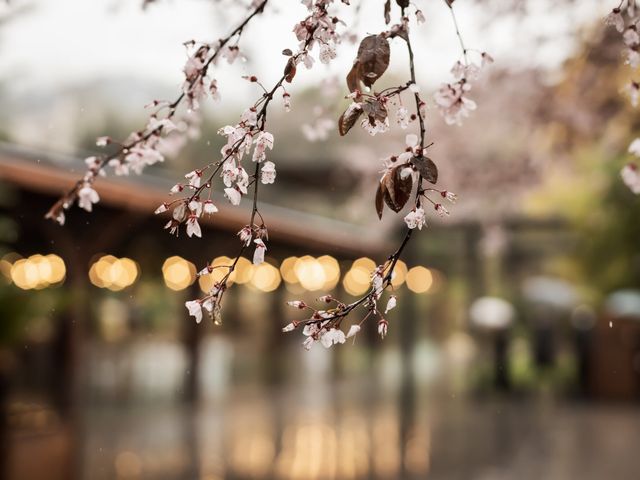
{"x": 353, "y": 330}
{"x": 440, "y": 210}
{"x": 297, "y": 304}
{"x": 209, "y": 207}
{"x": 631, "y": 177}
{"x": 327, "y": 53}
{"x": 391, "y": 303}
{"x": 194, "y": 178}
{"x": 161, "y": 209}
{"x": 196, "y": 207}
{"x": 258, "y": 253}
{"x": 635, "y": 147}
{"x": 245, "y": 235}
{"x": 402, "y": 117}
{"x": 193, "y": 227}
{"x": 195, "y": 309}
{"x": 332, "y": 337}
{"x": 268, "y": 173}
{"x": 233, "y": 196}
{"x": 383, "y": 326}
{"x": 263, "y": 142}
{"x": 87, "y": 196}
{"x": 416, "y": 218}
{"x": 615, "y": 19}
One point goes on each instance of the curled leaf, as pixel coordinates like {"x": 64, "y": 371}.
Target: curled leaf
{"x": 394, "y": 190}
{"x": 375, "y": 110}
{"x": 290, "y": 70}
{"x": 387, "y": 12}
{"x": 427, "y": 168}
{"x": 373, "y": 55}
{"x": 349, "y": 118}
{"x": 371, "y": 62}
{"x": 380, "y": 199}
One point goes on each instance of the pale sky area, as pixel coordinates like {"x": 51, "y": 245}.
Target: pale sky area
{"x": 57, "y": 46}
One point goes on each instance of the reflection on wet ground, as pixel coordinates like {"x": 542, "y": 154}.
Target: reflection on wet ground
{"x": 264, "y": 438}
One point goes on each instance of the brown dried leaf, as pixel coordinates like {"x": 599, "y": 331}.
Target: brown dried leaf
{"x": 290, "y": 70}
{"x": 373, "y": 56}
{"x": 387, "y": 12}
{"x": 380, "y": 193}
{"x": 398, "y": 190}
{"x": 353, "y": 77}
{"x": 403, "y": 3}
{"x": 349, "y": 118}
{"x": 427, "y": 168}
{"x": 375, "y": 110}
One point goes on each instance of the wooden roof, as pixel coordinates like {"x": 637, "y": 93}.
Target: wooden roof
{"x": 51, "y": 174}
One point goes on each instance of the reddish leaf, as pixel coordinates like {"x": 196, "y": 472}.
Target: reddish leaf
{"x": 353, "y": 77}
{"x": 373, "y": 56}
{"x": 398, "y": 190}
{"x": 290, "y": 70}
{"x": 387, "y": 12}
{"x": 427, "y": 168}
{"x": 380, "y": 193}
{"x": 349, "y": 118}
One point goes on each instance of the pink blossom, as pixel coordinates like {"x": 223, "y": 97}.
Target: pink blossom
{"x": 416, "y": 218}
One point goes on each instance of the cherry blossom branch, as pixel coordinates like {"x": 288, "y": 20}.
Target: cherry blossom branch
{"x": 630, "y": 173}
{"x": 317, "y": 28}
{"x": 142, "y": 148}
{"x": 324, "y": 325}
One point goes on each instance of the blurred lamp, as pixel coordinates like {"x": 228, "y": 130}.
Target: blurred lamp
{"x": 491, "y": 313}
{"x": 178, "y": 273}
{"x": 419, "y": 279}
{"x": 551, "y": 292}
{"x": 624, "y": 304}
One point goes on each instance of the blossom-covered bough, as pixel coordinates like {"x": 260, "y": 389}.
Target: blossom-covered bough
{"x": 625, "y": 18}
{"x": 401, "y": 172}
{"x": 162, "y": 134}
{"x": 408, "y": 178}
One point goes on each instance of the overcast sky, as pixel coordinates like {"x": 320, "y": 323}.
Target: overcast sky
{"x": 57, "y": 44}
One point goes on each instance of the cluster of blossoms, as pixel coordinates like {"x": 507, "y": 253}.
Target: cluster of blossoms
{"x": 248, "y": 143}
{"x": 161, "y": 136}
{"x": 628, "y": 28}
{"x": 249, "y": 134}
{"x": 400, "y": 174}
{"x": 324, "y": 326}
{"x": 451, "y": 98}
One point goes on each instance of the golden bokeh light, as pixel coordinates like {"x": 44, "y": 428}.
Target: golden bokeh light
{"x": 220, "y": 266}
{"x": 265, "y": 277}
{"x": 419, "y": 279}
{"x": 331, "y": 271}
{"x": 364, "y": 263}
{"x": 244, "y": 271}
{"x": 114, "y": 273}
{"x": 399, "y": 274}
{"x": 310, "y": 273}
{"x": 178, "y": 273}
{"x": 287, "y": 270}
{"x": 36, "y": 272}
{"x": 357, "y": 281}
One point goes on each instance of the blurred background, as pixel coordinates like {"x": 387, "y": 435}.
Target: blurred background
{"x": 514, "y": 352}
